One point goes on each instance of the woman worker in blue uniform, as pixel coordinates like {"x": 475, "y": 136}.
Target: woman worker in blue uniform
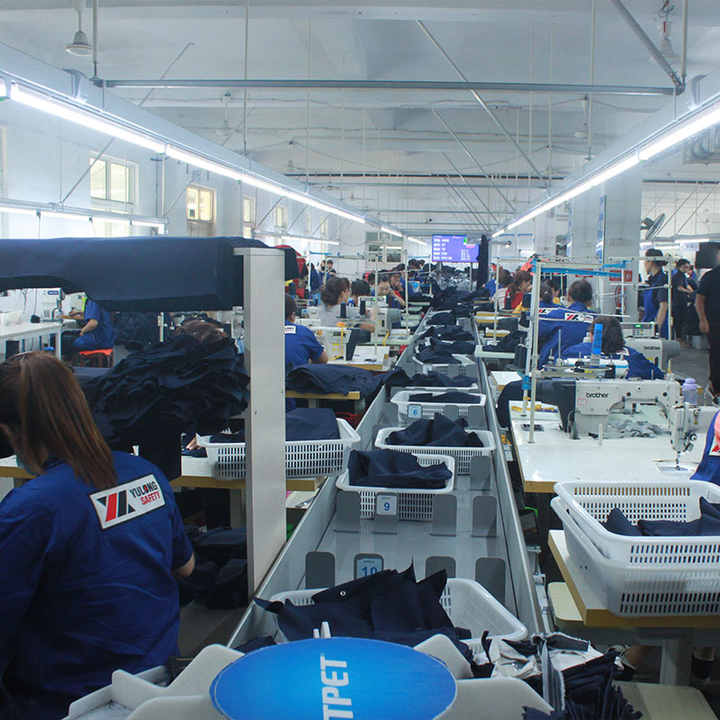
{"x": 301, "y": 345}
{"x": 89, "y": 549}
{"x": 561, "y": 328}
{"x": 97, "y": 333}
{"x": 655, "y": 298}
{"x": 613, "y": 346}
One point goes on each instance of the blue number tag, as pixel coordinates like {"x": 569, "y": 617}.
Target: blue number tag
{"x": 386, "y": 505}
{"x": 415, "y": 411}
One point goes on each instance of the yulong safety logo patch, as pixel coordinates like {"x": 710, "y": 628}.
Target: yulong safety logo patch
{"x": 127, "y": 501}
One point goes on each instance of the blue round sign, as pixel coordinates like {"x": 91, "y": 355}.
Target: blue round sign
{"x": 334, "y": 679}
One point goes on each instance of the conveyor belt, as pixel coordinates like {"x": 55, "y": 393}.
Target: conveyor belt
{"x": 413, "y": 541}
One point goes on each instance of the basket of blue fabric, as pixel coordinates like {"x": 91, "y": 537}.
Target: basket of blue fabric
{"x": 419, "y": 403}
{"x": 415, "y": 479}
{"x": 393, "y": 606}
{"x": 648, "y": 548}
{"x": 440, "y": 436}
{"x": 316, "y": 443}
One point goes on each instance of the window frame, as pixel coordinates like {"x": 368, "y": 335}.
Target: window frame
{"x": 200, "y": 189}
{"x": 132, "y": 188}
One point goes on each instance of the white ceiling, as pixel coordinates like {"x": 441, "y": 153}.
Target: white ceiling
{"x": 351, "y": 133}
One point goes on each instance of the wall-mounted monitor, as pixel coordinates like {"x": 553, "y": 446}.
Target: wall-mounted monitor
{"x": 453, "y": 249}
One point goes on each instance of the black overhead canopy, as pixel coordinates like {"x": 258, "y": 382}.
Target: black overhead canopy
{"x": 155, "y": 273}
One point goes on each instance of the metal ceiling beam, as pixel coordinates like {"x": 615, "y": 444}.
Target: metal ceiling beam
{"x": 480, "y": 101}
{"x": 644, "y": 38}
{"x": 555, "y": 88}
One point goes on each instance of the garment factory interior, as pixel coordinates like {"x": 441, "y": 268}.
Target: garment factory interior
{"x": 359, "y": 360}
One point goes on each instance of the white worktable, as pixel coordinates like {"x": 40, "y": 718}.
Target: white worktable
{"x": 554, "y": 456}
{"x": 28, "y": 331}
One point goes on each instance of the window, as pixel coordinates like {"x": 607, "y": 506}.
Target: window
{"x": 113, "y": 181}
{"x": 248, "y": 217}
{"x": 281, "y": 217}
{"x": 200, "y": 204}
{"x": 111, "y": 228}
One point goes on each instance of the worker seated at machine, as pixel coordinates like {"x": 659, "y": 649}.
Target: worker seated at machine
{"x": 614, "y": 348}
{"x": 517, "y": 289}
{"x": 333, "y": 305}
{"x": 393, "y": 299}
{"x": 97, "y": 332}
{"x": 550, "y": 294}
{"x": 564, "y": 327}
{"x": 301, "y": 345}
{"x": 90, "y": 547}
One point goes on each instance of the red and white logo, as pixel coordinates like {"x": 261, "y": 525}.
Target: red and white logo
{"x": 715, "y": 447}
{"x": 127, "y": 501}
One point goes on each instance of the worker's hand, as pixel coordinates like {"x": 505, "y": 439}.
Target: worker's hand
{"x": 704, "y": 326}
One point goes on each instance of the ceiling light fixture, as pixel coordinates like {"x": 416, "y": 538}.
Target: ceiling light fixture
{"x": 675, "y": 134}
{"x": 390, "y": 231}
{"x": 83, "y": 118}
{"x": 80, "y": 44}
{"x": 65, "y": 215}
{"x": 202, "y": 163}
{"x": 10, "y": 209}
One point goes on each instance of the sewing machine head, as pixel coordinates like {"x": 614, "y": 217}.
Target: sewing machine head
{"x": 596, "y": 400}
{"x": 688, "y": 424}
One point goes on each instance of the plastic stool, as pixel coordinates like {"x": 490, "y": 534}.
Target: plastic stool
{"x": 102, "y": 358}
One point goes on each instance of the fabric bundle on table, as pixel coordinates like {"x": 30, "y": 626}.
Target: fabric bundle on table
{"x": 454, "y": 396}
{"x": 447, "y": 332}
{"x": 438, "y": 432}
{"x": 707, "y": 524}
{"x": 507, "y": 343}
{"x": 399, "y": 378}
{"x": 319, "y": 378}
{"x": 459, "y": 347}
{"x": 441, "y": 318}
{"x": 393, "y": 469}
{"x": 180, "y": 384}
{"x": 300, "y": 424}
{"x": 436, "y": 356}
{"x": 388, "y": 606}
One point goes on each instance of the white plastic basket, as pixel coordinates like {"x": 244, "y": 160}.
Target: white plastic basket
{"x": 464, "y": 361}
{"x": 590, "y": 504}
{"x": 428, "y": 409}
{"x": 467, "y": 603}
{"x": 631, "y": 590}
{"x": 413, "y": 503}
{"x": 303, "y": 458}
{"x": 463, "y": 455}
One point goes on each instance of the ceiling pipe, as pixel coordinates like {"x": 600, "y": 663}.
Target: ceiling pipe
{"x": 683, "y": 61}
{"x": 570, "y": 88}
{"x": 677, "y": 81}
{"x": 95, "y": 38}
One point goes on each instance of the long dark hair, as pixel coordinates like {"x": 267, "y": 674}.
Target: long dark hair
{"x": 521, "y": 276}
{"x": 45, "y": 415}
{"x": 613, "y": 340}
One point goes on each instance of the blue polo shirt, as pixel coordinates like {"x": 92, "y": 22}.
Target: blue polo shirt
{"x": 103, "y": 336}
{"x": 301, "y": 345}
{"x": 564, "y": 326}
{"x": 87, "y": 582}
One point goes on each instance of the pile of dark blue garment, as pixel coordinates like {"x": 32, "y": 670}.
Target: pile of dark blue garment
{"x": 179, "y": 385}
{"x": 442, "y": 318}
{"x": 454, "y": 396}
{"x": 458, "y": 347}
{"x": 319, "y": 378}
{"x": 462, "y": 302}
{"x": 438, "y": 432}
{"x": 707, "y": 524}
{"x": 399, "y": 378}
{"x": 447, "y": 332}
{"x": 436, "y": 356}
{"x": 590, "y": 694}
{"x": 388, "y": 606}
{"x": 393, "y": 469}
{"x": 300, "y": 424}
{"x": 135, "y": 330}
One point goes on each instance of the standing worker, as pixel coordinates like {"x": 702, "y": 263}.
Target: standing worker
{"x": 90, "y": 547}
{"x": 681, "y": 294}
{"x": 655, "y": 298}
{"x": 707, "y": 304}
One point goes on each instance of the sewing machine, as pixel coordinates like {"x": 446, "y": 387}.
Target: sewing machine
{"x": 689, "y": 423}
{"x": 638, "y": 329}
{"x": 595, "y": 400}
{"x": 585, "y": 368}
{"x": 656, "y": 350}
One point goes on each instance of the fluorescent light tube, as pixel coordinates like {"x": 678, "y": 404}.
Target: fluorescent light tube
{"x": 3, "y": 89}
{"x": 390, "y": 231}
{"x": 85, "y": 118}
{"x": 65, "y": 215}
{"x": 17, "y": 210}
{"x": 330, "y": 242}
{"x": 148, "y": 223}
{"x": 200, "y": 162}
{"x": 683, "y": 132}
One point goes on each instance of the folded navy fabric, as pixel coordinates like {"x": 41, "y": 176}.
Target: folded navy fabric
{"x": 447, "y": 332}
{"x": 707, "y": 524}
{"x": 459, "y": 347}
{"x": 399, "y": 378}
{"x": 328, "y": 378}
{"x": 438, "y": 432}
{"x": 442, "y": 318}
{"x": 453, "y": 396}
{"x": 435, "y": 356}
{"x": 390, "y": 468}
{"x": 180, "y": 385}
{"x": 300, "y": 424}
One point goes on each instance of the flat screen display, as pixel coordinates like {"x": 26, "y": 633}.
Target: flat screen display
{"x": 453, "y": 249}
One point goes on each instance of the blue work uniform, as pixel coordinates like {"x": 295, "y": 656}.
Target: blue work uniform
{"x": 709, "y": 467}
{"x": 655, "y": 294}
{"x": 491, "y": 287}
{"x": 638, "y": 365}
{"x": 301, "y": 346}
{"x": 103, "y": 336}
{"x": 87, "y": 582}
{"x": 562, "y": 325}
